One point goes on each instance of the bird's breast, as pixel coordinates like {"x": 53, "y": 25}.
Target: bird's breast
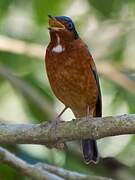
{"x": 71, "y": 78}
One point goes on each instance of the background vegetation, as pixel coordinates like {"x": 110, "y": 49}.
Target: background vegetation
{"x": 25, "y": 96}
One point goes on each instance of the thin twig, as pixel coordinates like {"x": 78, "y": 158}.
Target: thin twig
{"x": 21, "y": 47}
{"x": 111, "y": 73}
{"x": 66, "y": 174}
{"x": 24, "y": 168}
{"x": 41, "y": 171}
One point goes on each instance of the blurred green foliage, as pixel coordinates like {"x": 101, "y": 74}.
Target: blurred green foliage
{"x": 108, "y": 28}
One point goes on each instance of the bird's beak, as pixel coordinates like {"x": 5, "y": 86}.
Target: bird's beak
{"x": 54, "y": 24}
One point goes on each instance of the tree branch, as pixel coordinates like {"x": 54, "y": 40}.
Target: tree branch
{"x": 111, "y": 73}
{"x": 66, "y": 174}
{"x": 21, "y": 47}
{"x": 41, "y": 171}
{"x": 46, "y": 133}
{"x": 24, "y": 168}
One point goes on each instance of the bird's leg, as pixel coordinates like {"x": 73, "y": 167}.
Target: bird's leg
{"x": 88, "y": 112}
{"x": 57, "y": 120}
{"x": 59, "y": 145}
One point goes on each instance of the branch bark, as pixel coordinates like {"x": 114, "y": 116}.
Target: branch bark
{"x": 46, "y": 133}
{"x": 41, "y": 171}
{"x": 24, "y": 168}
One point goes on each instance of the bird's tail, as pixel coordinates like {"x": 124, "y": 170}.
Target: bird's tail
{"x": 90, "y": 151}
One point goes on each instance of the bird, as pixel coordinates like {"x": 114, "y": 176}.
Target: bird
{"x": 73, "y": 76}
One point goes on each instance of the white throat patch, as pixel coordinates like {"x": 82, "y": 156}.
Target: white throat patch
{"x": 58, "y": 48}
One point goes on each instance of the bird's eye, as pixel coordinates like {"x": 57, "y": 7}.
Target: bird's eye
{"x": 70, "y": 25}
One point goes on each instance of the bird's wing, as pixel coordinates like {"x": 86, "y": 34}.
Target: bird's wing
{"x": 99, "y": 100}
{"x": 88, "y": 56}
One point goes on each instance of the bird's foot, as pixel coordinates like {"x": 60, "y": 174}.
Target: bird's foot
{"x": 88, "y": 117}
{"x": 89, "y": 113}
{"x": 58, "y": 145}
{"x": 55, "y": 122}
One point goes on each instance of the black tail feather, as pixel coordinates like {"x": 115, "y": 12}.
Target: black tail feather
{"x": 90, "y": 151}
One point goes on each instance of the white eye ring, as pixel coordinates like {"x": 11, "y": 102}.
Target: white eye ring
{"x": 70, "y": 26}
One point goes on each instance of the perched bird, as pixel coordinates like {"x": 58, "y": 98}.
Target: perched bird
{"x": 73, "y": 76}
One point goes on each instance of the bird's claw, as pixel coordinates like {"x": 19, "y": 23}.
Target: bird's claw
{"x": 58, "y": 145}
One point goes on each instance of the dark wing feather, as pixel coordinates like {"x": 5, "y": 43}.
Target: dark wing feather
{"x": 99, "y": 100}
{"x": 90, "y": 150}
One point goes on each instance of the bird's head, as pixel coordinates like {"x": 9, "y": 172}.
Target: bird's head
{"x": 62, "y": 26}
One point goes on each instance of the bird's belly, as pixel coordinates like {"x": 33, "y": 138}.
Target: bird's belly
{"x": 73, "y": 89}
